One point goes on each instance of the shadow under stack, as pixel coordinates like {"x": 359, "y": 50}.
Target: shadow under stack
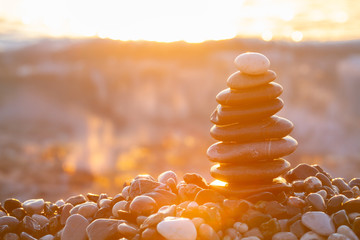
{"x": 252, "y": 139}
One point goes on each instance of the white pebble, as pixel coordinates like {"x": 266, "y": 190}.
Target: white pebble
{"x": 32, "y": 206}
{"x": 252, "y": 63}
{"x": 118, "y": 206}
{"x": 241, "y": 227}
{"x": 173, "y": 228}
{"x": 318, "y": 222}
{"x": 345, "y": 230}
{"x": 284, "y": 236}
{"x": 311, "y": 236}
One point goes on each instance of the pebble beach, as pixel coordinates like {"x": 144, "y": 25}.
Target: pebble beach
{"x": 316, "y": 206}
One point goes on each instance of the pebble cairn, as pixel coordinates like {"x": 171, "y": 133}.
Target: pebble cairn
{"x": 252, "y": 140}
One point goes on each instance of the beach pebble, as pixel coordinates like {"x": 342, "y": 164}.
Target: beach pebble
{"x": 345, "y": 230}
{"x": 12, "y": 222}
{"x": 338, "y": 236}
{"x": 11, "y": 203}
{"x": 47, "y": 237}
{"x": 75, "y": 228}
{"x": 88, "y": 209}
{"x": 207, "y": 232}
{"x": 75, "y": 200}
{"x": 316, "y": 201}
{"x": 40, "y": 219}
{"x": 165, "y": 176}
{"x": 250, "y": 238}
{"x": 241, "y": 227}
{"x": 173, "y": 228}
{"x": 102, "y": 229}
{"x": 284, "y": 236}
{"x": 32, "y": 206}
{"x": 127, "y": 231}
{"x": 11, "y": 236}
{"x": 119, "y": 206}
{"x": 65, "y": 213}
{"x": 312, "y": 184}
{"x": 312, "y": 236}
{"x": 318, "y": 222}
{"x": 252, "y": 63}
{"x": 142, "y": 205}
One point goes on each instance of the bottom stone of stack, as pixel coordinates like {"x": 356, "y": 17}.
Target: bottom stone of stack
{"x": 243, "y": 190}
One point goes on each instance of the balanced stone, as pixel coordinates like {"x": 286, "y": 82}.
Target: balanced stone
{"x": 252, "y": 63}
{"x": 252, "y": 140}
{"x": 231, "y": 97}
{"x": 246, "y": 113}
{"x": 230, "y": 152}
{"x": 268, "y": 128}
{"x": 257, "y": 171}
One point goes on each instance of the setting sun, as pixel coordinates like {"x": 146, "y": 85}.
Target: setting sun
{"x": 190, "y": 21}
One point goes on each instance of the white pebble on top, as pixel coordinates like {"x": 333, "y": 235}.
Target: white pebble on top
{"x": 252, "y": 63}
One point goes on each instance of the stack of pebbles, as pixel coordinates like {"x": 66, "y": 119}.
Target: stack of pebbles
{"x": 252, "y": 139}
{"x": 315, "y": 207}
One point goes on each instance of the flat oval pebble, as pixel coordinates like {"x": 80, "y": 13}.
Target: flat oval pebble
{"x": 142, "y": 205}
{"x": 318, "y": 222}
{"x": 268, "y": 128}
{"x": 241, "y": 81}
{"x": 233, "y": 97}
{"x": 352, "y": 205}
{"x": 312, "y": 236}
{"x": 224, "y": 152}
{"x": 345, "y": 230}
{"x": 337, "y": 236}
{"x": 173, "y": 228}
{"x": 32, "y": 206}
{"x": 224, "y": 115}
{"x": 254, "y": 172}
{"x": 102, "y": 229}
{"x": 75, "y": 228}
{"x": 252, "y": 63}
{"x": 284, "y": 236}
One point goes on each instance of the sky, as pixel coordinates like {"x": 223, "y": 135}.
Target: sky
{"x": 188, "y": 20}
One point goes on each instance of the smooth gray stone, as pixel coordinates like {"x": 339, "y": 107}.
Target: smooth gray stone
{"x": 239, "y": 80}
{"x": 223, "y": 152}
{"x": 233, "y": 97}
{"x": 224, "y": 115}
{"x": 273, "y": 127}
{"x": 254, "y": 172}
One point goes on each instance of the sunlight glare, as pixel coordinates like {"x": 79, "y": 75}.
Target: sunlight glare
{"x": 267, "y": 35}
{"x": 297, "y": 36}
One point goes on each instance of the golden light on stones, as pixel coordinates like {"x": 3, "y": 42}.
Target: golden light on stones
{"x": 251, "y": 138}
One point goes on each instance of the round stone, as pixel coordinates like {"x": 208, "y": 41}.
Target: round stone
{"x": 316, "y": 201}
{"x": 165, "y": 176}
{"x": 102, "y": 229}
{"x": 142, "y": 205}
{"x": 75, "y": 228}
{"x": 207, "y": 232}
{"x": 273, "y": 127}
{"x": 284, "y": 236}
{"x": 225, "y": 152}
{"x": 127, "y": 231}
{"x": 345, "y": 230}
{"x": 11, "y": 203}
{"x": 338, "y": 236}
{"x": 312, "y": 236}
{"x": 241, "y": 81}
{"x": 32, "y": 206}
{"x": 233, "y": 97}
{"x": 252, "y": 63}
{"x": 252, "y": 172}
{"x": 173, "y": 228}
{"x": 224, "y": 115}
{"x": 121, "y": 205}
{"x": 318, "y": 222}
{"x": 352, "y": 205}
{"x": 340, "y": 218}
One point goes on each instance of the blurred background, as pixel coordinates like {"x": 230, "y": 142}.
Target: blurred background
{"x": 93, "y": 93}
